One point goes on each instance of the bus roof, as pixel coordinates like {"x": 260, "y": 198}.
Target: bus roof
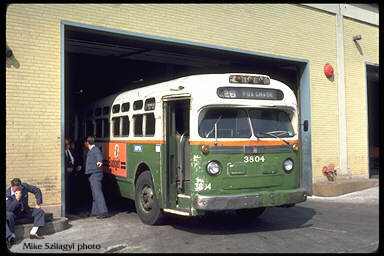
{"x": 203, "y": 89}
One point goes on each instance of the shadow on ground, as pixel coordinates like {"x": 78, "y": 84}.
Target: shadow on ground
{"x": 115, "y": 202}
{"x": 115, "y": 206}
{"x": 228, "y": 222}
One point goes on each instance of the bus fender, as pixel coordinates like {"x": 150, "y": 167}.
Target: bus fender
{"x": 142, "y": 167}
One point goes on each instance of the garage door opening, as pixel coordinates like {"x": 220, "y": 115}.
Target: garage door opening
{"x": 99, "y": 62}
{"x": 373, "y": 119}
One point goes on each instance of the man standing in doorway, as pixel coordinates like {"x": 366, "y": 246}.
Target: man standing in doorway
{"x": 70, "y": 177}
{"x": 95, "y": 176}
{"x": 83, "y": 194}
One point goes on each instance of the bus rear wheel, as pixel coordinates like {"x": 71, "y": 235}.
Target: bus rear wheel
{"x": 146, "y": 203}
{"x": 250, "y": 213}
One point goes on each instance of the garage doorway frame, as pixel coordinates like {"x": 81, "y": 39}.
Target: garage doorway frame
{"x": 304, "y": 89}
{"x": 368, "y": 65}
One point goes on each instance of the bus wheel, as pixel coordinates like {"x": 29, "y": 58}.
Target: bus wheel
{"x": 250, "y": 213}
{"x": 146, "y": 203}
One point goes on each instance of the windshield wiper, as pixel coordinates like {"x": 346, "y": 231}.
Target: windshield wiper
{"x": 214, "y": 128}
{"x": 273, "y": 135}
{"x": 279, "y": 132}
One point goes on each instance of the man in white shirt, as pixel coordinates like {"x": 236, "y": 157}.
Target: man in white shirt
{"x": 71, "y": 176}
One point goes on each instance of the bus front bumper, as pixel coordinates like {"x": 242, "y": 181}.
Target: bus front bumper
{"x": 255, "y": 200}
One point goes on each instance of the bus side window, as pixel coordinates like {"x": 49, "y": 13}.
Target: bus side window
{"x": 99, "y": 128}
{"x": 89, "y": 128}
{"x": 125, "y": 127}
{"x": 149, "y": 104}
{"x": 150, "y": 125}
{"x": 106, "y": 128}
{"x": 116, "y": 126}
{"x": 138, "y": 104}
{"x": 105, "y": 110}
{"x": 98, "y": 112}
{"x": 138, "y": 125}
{"x": 116, "y": 108}
{"x": 125, "y": 107}
{"x": 82, "y": 130}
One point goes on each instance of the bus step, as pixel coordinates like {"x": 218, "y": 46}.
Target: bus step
{"x": 183, "y": 212}
{"x": 183, "y": 202}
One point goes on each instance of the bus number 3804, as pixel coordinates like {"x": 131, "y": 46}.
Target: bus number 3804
{"x": 253, "y": 159}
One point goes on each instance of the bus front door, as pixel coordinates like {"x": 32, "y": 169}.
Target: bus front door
{"x": 177, "y": 149}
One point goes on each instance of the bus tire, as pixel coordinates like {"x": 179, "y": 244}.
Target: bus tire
{"x": 250, "y": 213}
{"x": 147, "y": 206}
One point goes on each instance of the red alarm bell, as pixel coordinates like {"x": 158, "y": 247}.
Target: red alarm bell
{"x": 328, "y": 70}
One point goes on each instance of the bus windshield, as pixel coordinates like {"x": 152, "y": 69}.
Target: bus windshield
{"x": 271, "y": 123}
{"x": 234, "y": 123}
{"x": 230, "y": 123}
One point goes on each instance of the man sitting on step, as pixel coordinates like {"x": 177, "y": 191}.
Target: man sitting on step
{"x": 17, "y": 207}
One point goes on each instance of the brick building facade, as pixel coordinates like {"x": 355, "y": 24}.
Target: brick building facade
{"x": 34, "y": 78}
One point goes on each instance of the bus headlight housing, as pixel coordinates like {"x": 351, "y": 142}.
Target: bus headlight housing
{"x": 213, "y": 168}
{"x": 288, "y": 165}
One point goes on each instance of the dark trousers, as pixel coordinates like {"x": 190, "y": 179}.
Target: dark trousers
{"x": 83, "y": 193}
{"x": 98, "y": 202}
{"x": 78, "y": 192}
{"x": 72, "y": 199}
{"x": 10, "y": 224}
{"x": 36, "y": 214}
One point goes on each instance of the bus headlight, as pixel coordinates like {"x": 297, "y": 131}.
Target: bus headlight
{"x": 213, "y": 168}
{"x": 288, "y": 165}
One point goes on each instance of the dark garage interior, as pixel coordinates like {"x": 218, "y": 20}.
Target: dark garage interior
{"x": 100, "y": 63}
{"x": 373, "y": 119}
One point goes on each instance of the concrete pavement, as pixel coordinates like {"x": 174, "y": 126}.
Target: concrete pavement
{"x": 347, "y": 223}
{"x": 342, "y": 185}
{"x": 367, "y": 196}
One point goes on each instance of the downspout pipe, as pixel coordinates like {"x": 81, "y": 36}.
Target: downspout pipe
{"x": 343, "y": 155}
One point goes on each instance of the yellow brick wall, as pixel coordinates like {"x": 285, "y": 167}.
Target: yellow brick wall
{"x": 33, "y": 102}
{"x": 33, "y": 83}
{"x": 356, "y": 90}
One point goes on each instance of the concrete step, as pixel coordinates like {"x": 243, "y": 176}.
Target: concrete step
{"x": 342, "y": 186}
{"x": 48, "y": 217}
{"x": 52, "y": 226}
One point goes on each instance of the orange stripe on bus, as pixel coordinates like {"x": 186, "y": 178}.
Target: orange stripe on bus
{"x": 135, "y": 141}
{"x": 212, "y": 143}
{"x": 243, "y": 143}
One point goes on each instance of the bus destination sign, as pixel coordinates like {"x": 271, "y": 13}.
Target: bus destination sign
{"x": 249, "y": 93}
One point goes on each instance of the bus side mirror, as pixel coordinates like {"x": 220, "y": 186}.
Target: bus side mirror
{"x": 305, "y": 125}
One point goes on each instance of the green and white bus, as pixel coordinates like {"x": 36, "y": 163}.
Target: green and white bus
{"x": 201, "y": 143}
